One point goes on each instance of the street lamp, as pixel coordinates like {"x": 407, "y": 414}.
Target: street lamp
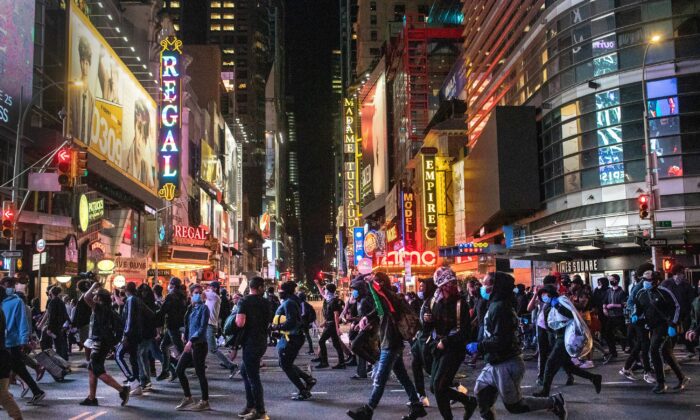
{"x": 647, "y": 144}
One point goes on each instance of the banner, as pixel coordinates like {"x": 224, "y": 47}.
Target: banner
{"x": 108, "y": 109}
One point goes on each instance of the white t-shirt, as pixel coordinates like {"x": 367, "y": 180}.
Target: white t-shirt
{"x": 214, "y": 304}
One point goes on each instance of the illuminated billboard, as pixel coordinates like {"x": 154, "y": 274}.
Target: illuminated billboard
{"x": 430, "y": 213}
{"x": 108, "y": 109}
{"x": 211, "y": 172}
{"x": 350, "y": 166}
{"x": 374, "y": 176}
{"x": 170, "y": 141}
{"x": 16, "y": 58}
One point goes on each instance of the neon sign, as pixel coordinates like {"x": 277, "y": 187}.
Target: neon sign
{"x": 408, "y": 204}
{"x": 350, "y": 164}
{"x": 170, "y": 119}
{"x": 358, "y": 244}
{"x": 190, "y": 235}
{"x": 416, "y": 258}
{"x": 429, "y": 196}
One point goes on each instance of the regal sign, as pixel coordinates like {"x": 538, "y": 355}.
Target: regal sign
{"x": 429, "y": 196}
{"x": 189, "y": 235}
{"x": 169, "y": 142}
{"x": 414, "y": 258}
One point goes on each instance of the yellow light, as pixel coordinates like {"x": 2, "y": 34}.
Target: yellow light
{"x": 119, "y": 281}
{"x": 63, "y": 279}
{"x": 655, "y": 38}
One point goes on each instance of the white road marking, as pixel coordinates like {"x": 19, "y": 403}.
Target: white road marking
{"x": 101, "y": 413}
{"x": 618, "y": 383}
{"x": 319, "y": 393}
{"x": 86, "y": 413}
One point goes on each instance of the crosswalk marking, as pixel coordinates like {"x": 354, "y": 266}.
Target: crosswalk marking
{"x": 85, "y": 413}
{"x": 93, "y": 417}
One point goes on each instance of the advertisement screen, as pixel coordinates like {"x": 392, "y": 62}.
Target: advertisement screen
{"x": 16, "y": 58}
{"x": 211, "y": 167}
{"x": 108, "y": 109}
{"x": 374, "y": 142}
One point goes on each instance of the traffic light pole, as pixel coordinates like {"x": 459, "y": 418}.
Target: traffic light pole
{"x": 648, "y": 161}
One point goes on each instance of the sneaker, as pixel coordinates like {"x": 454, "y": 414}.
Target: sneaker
{"x": 339, "y": 366}
{"x": 690, "y": 355}
{"x": 37, "y": 398}
{"x": 628, "y": 374}
{"x": 302, "y": 395}
{"x": 607, "y": 358}
{"x": 316, "y": 360}
{"x": 185, "y": 402}
{"x": 358, "y": 377}
{"x": 245, "y": 412}
{"x": 173, "y": 378}
{"x": 89, "y": 402}
{"x": 124, "y": 394}
{"x": 310, "y": 384}
{"x": 40, "y": 371}
{"x": 681, "y": 384}
{"x": 569, "y": 380}
{"x": 424, "y": 400}
{"x": 201, "y": 406}
{"x": 415, "y": 411}
{"x": 597, "y": 383}
{"x": 148, "y": 387}
{"x": 163, "y": 376}
{"x": 255, "y": 415}
{"x": 559, "y": 408}
{"x": 649, "y": 378}
{"x": 588, "y": 364}
{"x": 659, "y": 389}
{"x": 137, "y": 391}
{"x": 470, "y": 407}
{"x": 362, "y": 413}
{"x": 25, "y": 391}
{"x": 310, "y": 352}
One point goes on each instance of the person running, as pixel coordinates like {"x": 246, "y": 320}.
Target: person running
{"x": 252, "y": 319}
{"x": 641, "y": 342}
{"x": 308, "y": 317}
{"x": 613, "y": 308}
{"x": 449, "y": 317}
{"x": 130, "y": 338}
{"x": 213, "y": 301}
{"x": 195, "y": 353}
{"x": 387, "y": 308}
{"x": 559, "y": 357}
{"x": 505, "y": 368}
{"x": 104, "y": 327}
{"x": 332, "y": 307}
{"x": 364, "y": 305}
{"x": 17, "y": 334}
{"x": 7, "y": 402}
{"x": 658, "y": 309}
{"x": 172, "y": 315}
{"x": 421, "y": 357}
{"x": 288, "y": 325}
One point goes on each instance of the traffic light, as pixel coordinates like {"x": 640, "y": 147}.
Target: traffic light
{"x": 80, "y": 167}
{"x": 667, "y": 263}
{"x": 64, "y": 159}
{"x": 8, "y": 219}
{"x": 643, "y": 204}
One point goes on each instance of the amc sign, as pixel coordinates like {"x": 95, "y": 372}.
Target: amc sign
{"x": 400, "y": 258}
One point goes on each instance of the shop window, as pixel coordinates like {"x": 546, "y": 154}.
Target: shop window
{"x": 604, "y": 64}
{"x": 663, "y": 87}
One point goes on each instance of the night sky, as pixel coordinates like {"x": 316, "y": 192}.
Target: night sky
{"x": 312, "y": 34}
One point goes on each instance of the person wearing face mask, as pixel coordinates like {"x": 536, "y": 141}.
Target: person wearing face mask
{"x": 291, "y": 338}
{"x": 505, "y": 368}
{"x": 7, "y": 401}
{"x": 213, "y": 302}
{"x": 449, "y": 316}
{"x": 421, "y": 358}
{"x": 642, "y": 343}
{"x": 559, "y": 357}
{"x": 132, "y": 336}
{"x": 658, "y": 310}
{"x": 613, "y": 308}
{"x": 332, "y": 307}
{"x": 684, "y": 294}
{"x": 172, "y": 315}
{"x": 482, "y": 305}
{"x": 694, "y": 330}
{"x": 195, "y": 353}
{"x": 364, "y": 305}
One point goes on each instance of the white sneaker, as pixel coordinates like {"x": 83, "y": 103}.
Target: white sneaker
{"x": 201, "y": 406}
{"x": 588, "y": 364}
{"x": 137, "y": 391}
{"x": 184, "y": 403}
{"x": 649, "y": 378}
{"x": 628, "y": 374}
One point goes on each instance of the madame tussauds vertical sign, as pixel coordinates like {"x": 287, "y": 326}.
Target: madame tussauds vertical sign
{"x": 170, "y": 119}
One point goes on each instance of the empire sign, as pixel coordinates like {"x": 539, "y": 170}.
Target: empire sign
{"x": 430, "y": 213}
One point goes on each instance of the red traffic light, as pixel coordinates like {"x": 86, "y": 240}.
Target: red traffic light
{"x": 643, "y": 199}
{"x": 643, "y": 202}
{"x": 668, "y": 263}
{"x": 64, "y": 158}
{"x": 8, "y": 219}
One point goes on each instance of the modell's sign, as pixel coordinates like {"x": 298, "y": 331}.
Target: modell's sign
{"x": 408, "y": 206}
{"x": 189, "y": 235}
{"x": 415, "y": 258}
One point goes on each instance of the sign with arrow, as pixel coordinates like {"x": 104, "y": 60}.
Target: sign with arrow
{"x": 11, "y": 254}
{"x": 656, "y": 242}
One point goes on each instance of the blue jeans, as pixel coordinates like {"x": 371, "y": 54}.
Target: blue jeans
{"x": 147, "y": 349}
{"x": 391, "y": 360}
{"x": 214, "y": 349}
{"x": 250, "y": 372}
{"x": 171, "y": 337}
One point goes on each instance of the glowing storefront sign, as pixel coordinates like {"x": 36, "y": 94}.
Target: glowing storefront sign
{"x": 189, "y": 235}
{"x": 430, "y": 214}
{"x": 358, "y": 237}
{"x": 350, "y": 165}
{"x": 408, "y": 206}
{"x": 170, "y": 119}
{"x": 415, "y": 258}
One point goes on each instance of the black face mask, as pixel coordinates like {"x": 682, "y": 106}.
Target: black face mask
{"x": 283, "y": 295}
{"x": 614, "y": 283}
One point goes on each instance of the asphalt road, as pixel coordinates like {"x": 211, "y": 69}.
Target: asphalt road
{"x": 336, "y": 393}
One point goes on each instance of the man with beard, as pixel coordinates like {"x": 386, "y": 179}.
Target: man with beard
{"x": 505, "y": 368}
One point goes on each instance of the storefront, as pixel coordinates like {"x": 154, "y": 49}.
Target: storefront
{"x": 591, "y": 270}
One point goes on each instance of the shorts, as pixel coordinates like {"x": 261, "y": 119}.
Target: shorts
{"x": 505, "y": 377}
{"x": 97, "y": 359}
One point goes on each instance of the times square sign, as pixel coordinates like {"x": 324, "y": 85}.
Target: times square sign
{"x": 169, "y": 139}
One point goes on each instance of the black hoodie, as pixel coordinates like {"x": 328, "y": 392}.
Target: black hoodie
{"x": 172, "y": 312}
{"x": 500, "y": 342}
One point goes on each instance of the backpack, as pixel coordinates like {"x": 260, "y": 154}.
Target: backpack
{"x": 405, "y": 319}
{"x": 230, "y": 326}
{"x": 117, "y": 327}
{"x": 309, "y": 313}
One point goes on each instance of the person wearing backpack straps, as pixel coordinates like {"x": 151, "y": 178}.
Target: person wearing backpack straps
{"x": 386, "y": 310}
{"x": 103, "y": 335}
{"x": 308, "y": 316}
{"x": 449, "y": 316}
{"x": 657, "y": 307}
{"x": 131, "y": 338}
{"x": 172, "y": 313}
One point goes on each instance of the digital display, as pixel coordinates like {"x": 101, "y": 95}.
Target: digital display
{"x": 604, "y": 64}
{"x": 662, "y": 107}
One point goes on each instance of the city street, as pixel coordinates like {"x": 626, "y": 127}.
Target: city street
{"x": 336, "y": 393}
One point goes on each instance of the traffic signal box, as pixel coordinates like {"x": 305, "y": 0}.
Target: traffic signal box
{"x": 9, "y": 215}
{"x": 64, "y": 160}
{"x": 643, "y": 204}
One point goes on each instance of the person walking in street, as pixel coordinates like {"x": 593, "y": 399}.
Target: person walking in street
{"x": 332, "y": 307}
{"x": 613, "y": 309}
{"x": 131, "y": 338}
{"x": 559, "y": 357}
{"x": 172, "y": 315}
{"x": 103, "y": 331}
{"x": 7, "y": 401}
{"x": 694, "y": 330}
{"x": 449, "y": 316}
{"x": 505, "y": 368}
{"x": 684, "y": 293}
{"x": 148, "y": 349}
{"x": 287, "y": 325}
{"x": 195, "y": 353}
{"x": 308, "y": 317}
{"x": 274, "y": 303}
{"x": 421, "y": 357}
{"x": 387, "y": 310}
{"x": 213, "y": 302}
{"x": 658, "y": 309}
{"x": 81, "y": 318}
{"x": 641, "y": 342}
{"x": 17, "y": 334}
{"x": 365, "y": 305}
{"x": 53, "y": 333}
{"x": 252, "y": 318}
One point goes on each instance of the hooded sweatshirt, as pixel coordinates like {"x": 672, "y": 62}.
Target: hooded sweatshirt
{"x": 17, "y": 329}
{"x": 500, "y": 342}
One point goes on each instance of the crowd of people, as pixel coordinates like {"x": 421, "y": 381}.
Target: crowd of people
{"x": 447, "y": 324}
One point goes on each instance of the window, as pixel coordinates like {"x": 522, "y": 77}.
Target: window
{"x": 663, "y": 87}
{"x": 374, "y": 51}
{"x": 215, "y": 4}
{"x": 663, "y": 107}
{"x": 215, "y": 27}
{"x": 228, "y": 16}
{"x": 215, "y": 16}
{"x": 605, "y": 64}
{"x": 373, "y": 6}
{"x": 660, "y": 127}
{"x": 175, "y": 4}
{"x": 373, "y": 35}
{"x": 373, "y": 19}
{"x": 229, "y": 28}
{"x": 604, "y": 45}
{"x": 229, "y": 4}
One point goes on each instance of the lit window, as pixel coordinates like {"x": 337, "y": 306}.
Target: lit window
{"x": 242, "y": 86}
{"x": 228, "y": 16}
{"x": 176, "y": 26}
{"x": 228, "y": 51}
{"x": 215, "y": 16}
{"x": 215, "y": 27}
{"x": 175, "y": 4}
{"x": 229, "y": 4}
{"x": 229, "y": 63}
{"x": 215, "y": 4}
{"x": 229, "y": 28}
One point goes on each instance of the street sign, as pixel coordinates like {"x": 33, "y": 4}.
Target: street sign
{"x": 40, "y": 245}
{"x": 664, "y": 223}
{"x": 656, "y": 242}
{"x": 11, "y": 254}
{"x": 36, "y": 262}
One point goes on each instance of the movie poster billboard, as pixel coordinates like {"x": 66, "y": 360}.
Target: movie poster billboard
{"x": 212, "y": 171}
{"x": 374, "y": 175}
{"x": 16, "y": 58}
{"x": 108, "y": 109}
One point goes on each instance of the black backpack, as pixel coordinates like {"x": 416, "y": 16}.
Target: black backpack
{"x": 309, "y": 313}
{"x": 117, "y": 327}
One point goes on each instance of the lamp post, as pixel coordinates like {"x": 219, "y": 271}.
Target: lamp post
{"x": 648, "y": 155}
{"x": 18, "y": 140}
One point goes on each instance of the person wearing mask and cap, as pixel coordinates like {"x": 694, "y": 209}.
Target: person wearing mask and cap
{"x": 172, "y": 315}
{"x": 639, "y": 335}
{"x": 449, "y": 316}
{"x": 684, "y": 293}
{"x": 613, "y": 308}
{"x": 559, "y": 357}
{"x": 213, "y": 302}
{"x": 658, "y": 310}
{"x": 505, "y": 368}
{"x": 287, "y": 323}
{"x": 195, "y": 353}
{"x": 332, "y": 307}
